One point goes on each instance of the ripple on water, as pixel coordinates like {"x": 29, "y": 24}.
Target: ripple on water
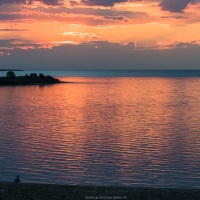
{"x": 123, "y": 131}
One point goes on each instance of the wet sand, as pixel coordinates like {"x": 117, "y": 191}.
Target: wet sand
{"x": 29, "y": 191}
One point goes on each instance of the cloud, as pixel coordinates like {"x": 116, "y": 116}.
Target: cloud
{"x": 118, "y": 18}
{"x": 175, "y": 17}
{"x": 13, "y": 1}
{"x": 90, "y": 16}
{"x": 12, "y": 44}
{"x": 85, "y": 16}
{"x": 91, "y": 11}
{"x": 91, "y": 55}
{"x": 73, "y": 3}
{"x": 100, "y": 55}
{"x": 185, "y": 44}
{"x": 51, "y": 2}
{"x": 175, "y": 45}
{"x": 102, "y": 2}
{"x": 166, "y": 5}
{"x": 47, "y": 2}
{"x": 176, "y": 5}
{"x": 11, "y": 29}
{"x": 8, "y": 17}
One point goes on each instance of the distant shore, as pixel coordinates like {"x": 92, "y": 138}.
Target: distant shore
{"x": 30, "y": 191}
{"x": 32, "y": 79}
{"x": 18, "y": 70}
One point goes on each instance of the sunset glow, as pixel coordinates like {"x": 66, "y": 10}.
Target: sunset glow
{"x": 149, "y": 24}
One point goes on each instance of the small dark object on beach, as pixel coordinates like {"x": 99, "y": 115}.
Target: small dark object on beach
{"x": 17, "y": 179}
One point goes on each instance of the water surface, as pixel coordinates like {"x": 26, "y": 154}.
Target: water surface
{"x": 103, "y": 131}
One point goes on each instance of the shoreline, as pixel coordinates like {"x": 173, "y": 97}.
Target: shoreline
{"x": 33, "y": 79}
{"x": 34, "y": 191}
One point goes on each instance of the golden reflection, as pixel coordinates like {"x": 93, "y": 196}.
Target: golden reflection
{"x": 119, "y": 128}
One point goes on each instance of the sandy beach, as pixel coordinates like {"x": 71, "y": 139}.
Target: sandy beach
{"x": 29, "y": 191}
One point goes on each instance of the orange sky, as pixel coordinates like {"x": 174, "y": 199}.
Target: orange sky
{"x": 125, "y": 31}
{"x": 141, "y": 22}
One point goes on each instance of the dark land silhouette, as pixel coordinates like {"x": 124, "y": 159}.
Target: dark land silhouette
{"x": 31, "y": 79}
{"x": 30, "y": 191}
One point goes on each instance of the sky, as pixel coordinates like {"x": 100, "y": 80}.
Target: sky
{"x": 100, "y": 34}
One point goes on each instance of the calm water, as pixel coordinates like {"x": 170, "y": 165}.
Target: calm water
{"x": 103, "y": 131}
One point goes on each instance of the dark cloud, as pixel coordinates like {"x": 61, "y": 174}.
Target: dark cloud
{"x": 185, "y": 44}
{"x": 118, "y": 18}
{"x": 175, "y": 17}
{"x": 17, "y": 44}
{"x": 73, "y": 3}
{"x": 8, "y": 17}
{"x": 11, "y": 29}
{"x": 6, "y": 43}
{"x": 102, "y": 2}
{"x": 47, "y": 2}
{"x": 99, "y": 55}
{"x": 176, "y": 5}
{"x": 12, "y": 1}
{"x": 51, "y": 2}
{"x": 107, "y": 14}
{"x": 92, "y": 11}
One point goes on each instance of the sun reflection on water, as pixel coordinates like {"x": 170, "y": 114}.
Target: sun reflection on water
{"x": 103, "y": 131}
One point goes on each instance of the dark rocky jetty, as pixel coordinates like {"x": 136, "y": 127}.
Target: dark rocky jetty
{"x": 31, "y": 79}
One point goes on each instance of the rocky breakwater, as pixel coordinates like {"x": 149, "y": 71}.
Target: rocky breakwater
{"x": 31, "y": 79}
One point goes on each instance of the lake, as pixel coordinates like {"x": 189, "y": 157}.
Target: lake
{"x": 112, "y": 131}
